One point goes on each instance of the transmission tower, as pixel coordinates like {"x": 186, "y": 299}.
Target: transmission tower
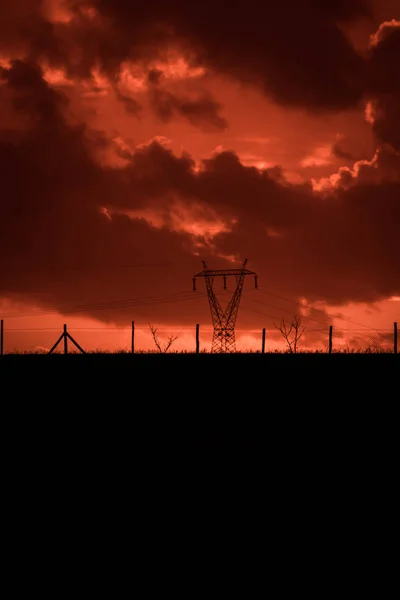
{"x": 224, "y": 321}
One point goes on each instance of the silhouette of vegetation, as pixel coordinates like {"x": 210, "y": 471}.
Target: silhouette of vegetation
{"x": 291, "y": 332}
{"x": 122, "y": 351}
{"x": 162, "y": 348}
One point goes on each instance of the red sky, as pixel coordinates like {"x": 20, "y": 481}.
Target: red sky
{"x": 137, "y": 139}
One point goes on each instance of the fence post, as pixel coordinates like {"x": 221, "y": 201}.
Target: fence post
{"x": 65, "y": 340}
{"x": 330, "y": 338}
{"x": 263, "y": 342}
{"x": 1, "y": 337}
{"x": 197, "y": 338}
{"x": 395, "y": 338}
{"x": 133, "y": 338}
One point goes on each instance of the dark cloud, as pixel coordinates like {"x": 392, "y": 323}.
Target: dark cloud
{"x": 171, "y": 100}
{"x": 69, "y": 225}
{"x": 384, "y": 167}
{"x": 131, "y": 105}
{"x": 65, "y": 233}
{"x": 58, "y": 247}
{"x": 89, "y": 41}
{"x": 342, "y": 154}
{"x": 384, "y": 83}
{"x": 295, "y": 51}
{"x": 387, "y": 120}
{"x": 201, "y": 112}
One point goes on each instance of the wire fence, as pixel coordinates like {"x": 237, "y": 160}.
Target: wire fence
{"x": 139, "y": 338}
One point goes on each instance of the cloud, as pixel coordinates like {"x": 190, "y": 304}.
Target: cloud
{"x": 321, "y": 156}
{"x": 68, "y": 223}
{"x": 131, "y": 105}
{"x": 383, "y": 167}
{"x": 383, "y": 32}
{"x": 295, "y": 52}
{"x": 88, "y": 47}
{"x": 201, "y": 112}
{"x": 338, "y": 151}
{"x": 77, "y": 205}
{"x": 384, "y": 83}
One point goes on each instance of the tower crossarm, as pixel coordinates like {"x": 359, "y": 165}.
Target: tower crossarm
{"x": 223, "y": 272}
{"x": 223, "y": 340}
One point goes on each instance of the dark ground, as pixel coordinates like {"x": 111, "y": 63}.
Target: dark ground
{"x": 215, "y": 362}
{"x": 209, "y": 403}
{"x": 305, "y": 447}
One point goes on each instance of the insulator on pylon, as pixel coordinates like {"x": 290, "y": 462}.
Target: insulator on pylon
{"x": 256, "y": 281}
{"x": 224, "y": 319}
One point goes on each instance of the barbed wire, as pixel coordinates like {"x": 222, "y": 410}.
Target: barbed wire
{"x": 313, "y": 339}
{"x": 204, "y": 328}
{"x": 355, "y": 337}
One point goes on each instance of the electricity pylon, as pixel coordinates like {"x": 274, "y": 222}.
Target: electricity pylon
{"x": 224, "y": 321}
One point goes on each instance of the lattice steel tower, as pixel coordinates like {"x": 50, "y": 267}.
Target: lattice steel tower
{"x": 224, "y": 321}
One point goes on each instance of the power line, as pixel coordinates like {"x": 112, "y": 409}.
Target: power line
{"x": 258, "y": 312}
{"x": 128, "y": 303}
{"x": 91, "y": 306}
{"x": 312, "y": 307}
{"x": 286, "y": 310}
